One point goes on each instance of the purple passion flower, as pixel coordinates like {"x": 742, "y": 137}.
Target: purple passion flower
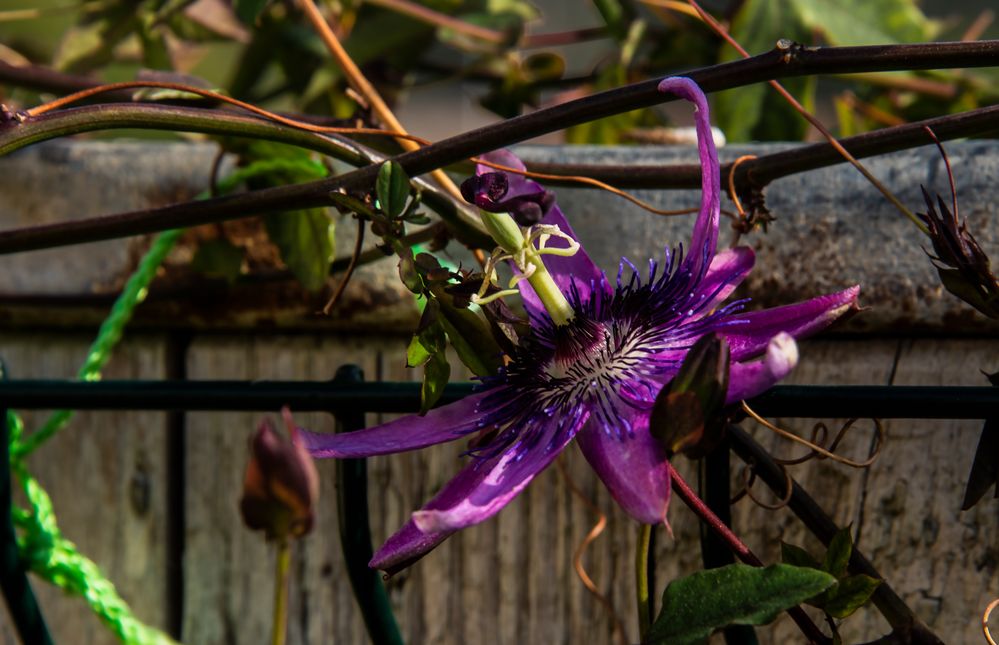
{"x": 595, "y": 378}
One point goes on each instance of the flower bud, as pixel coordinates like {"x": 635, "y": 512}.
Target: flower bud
{"x": 491, "y": 192}
{"x": 281, "y": 484}
{"x": 687, "y": 415}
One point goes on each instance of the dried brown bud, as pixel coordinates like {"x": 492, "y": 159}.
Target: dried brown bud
{"x": 281, "y": 484}
{"x": 963, "y": 266}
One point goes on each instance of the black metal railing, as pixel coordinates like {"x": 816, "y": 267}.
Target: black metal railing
{"x": 348, "y": 397}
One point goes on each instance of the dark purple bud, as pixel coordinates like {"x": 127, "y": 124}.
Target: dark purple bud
{"x": 490, "y": 192}
{"x": 281, "y": 485}
{"x": 485, "y": 190}
{"x": 963, "y": 266}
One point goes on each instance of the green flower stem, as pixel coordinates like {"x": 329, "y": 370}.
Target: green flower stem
{"x": 508, "y": 235}
{"x": 642, "y": 579}
{"x": 281, "y": 568}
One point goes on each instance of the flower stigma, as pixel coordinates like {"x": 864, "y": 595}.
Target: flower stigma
{"x": 524, "y": 248}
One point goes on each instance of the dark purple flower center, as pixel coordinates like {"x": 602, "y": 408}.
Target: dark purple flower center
{"x": 613, "y": 357}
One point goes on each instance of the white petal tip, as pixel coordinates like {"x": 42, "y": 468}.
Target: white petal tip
{"x": 782, "y": 355}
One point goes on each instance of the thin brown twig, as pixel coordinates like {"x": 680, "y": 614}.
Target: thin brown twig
{"x": 985, "y": 621}
{"x": 577, "y": 556}
{"x": 875, "y": 450}
{"x": 361, "y": 84}
{"x": 950, "y": 171}
{"x": 358, "y": 244}
{"x": 748, "y": 477}
{"x": 76, "y": 97}
{"x": 438, "y": 19}
{"x": 589, "y": 181}
{"x": 721, "y": 31}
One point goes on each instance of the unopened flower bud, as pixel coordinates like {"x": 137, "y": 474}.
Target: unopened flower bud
{"x": 490, "y": 191}
{"x": 687, "y": 415}
{"x": 281, "y": 484}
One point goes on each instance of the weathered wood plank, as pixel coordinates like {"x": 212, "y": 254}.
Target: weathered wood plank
{"x": 107, "y": 476}
{"x": 944, "y": 562}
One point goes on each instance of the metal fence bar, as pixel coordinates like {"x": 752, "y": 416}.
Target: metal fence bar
{"x": 21, "y": 602}
{"x": 807, "y": 401}
{"x": 355, "y": 531}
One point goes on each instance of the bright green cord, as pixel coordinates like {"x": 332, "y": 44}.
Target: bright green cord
{"x": 43, "y": 548}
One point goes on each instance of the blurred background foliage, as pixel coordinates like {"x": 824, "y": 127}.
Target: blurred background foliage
{"x": 478, "y": 61}
{"x": 487, "y": 59}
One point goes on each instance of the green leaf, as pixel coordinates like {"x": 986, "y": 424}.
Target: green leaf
{"x": 758, "y": 25}
{"x": 849, "y": 595}
{"x": 435, "y": 376}
{"x": 838, "y": 554}
{"x": 248, "y": 10}
{"x": 791, "y": 554}
{"x": 303, "y": 237}
{"x": 416, "y": 354}
{"x": 470, "y": 336}
{"x": 218, "y": 258}
{"x": 736, "y": 594}
{"x": 392, "y": 188}
{"x": 864, "y": 22}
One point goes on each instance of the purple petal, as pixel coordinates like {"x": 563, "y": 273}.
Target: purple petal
{"x": 753, "y": 330}
{"x": 705, "y": 237}
{"x": 728, "y": 269}
{"x": 442, "y": 424}
{"x": 634, "y": 467}
{"x": 747, "y": 380}
{"x": 477, "y": 493}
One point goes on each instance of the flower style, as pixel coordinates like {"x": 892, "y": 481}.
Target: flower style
{"x": 593, "y": 377}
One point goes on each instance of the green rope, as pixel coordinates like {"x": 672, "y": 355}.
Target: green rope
{"x": 42, "y": 546}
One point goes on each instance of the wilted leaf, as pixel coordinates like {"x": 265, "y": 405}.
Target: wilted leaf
{"x": 849, "y": 595}
{"x": 392, "y": 188}
{"x": 736, "y": 594}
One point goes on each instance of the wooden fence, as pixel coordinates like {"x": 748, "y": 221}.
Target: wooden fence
{"x": 152, "y": 497}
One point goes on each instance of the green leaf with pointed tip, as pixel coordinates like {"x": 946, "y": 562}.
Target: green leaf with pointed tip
{"x": 736, "y": 594}
{"x": 303, "y": 237}
{"x": 470, "y": 336}
{"x": 791, "y": 554}
{"x": 416, "y": 353}
{"x": 849, "y": 595}
{"x": 435, "y": 375}
{"x": 838, "y": 554}
{"x": 392, "y": 189}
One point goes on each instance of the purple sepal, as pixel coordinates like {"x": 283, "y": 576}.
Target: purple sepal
{"x": 634, "y": 468}
{"x": 441, "y": 424}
